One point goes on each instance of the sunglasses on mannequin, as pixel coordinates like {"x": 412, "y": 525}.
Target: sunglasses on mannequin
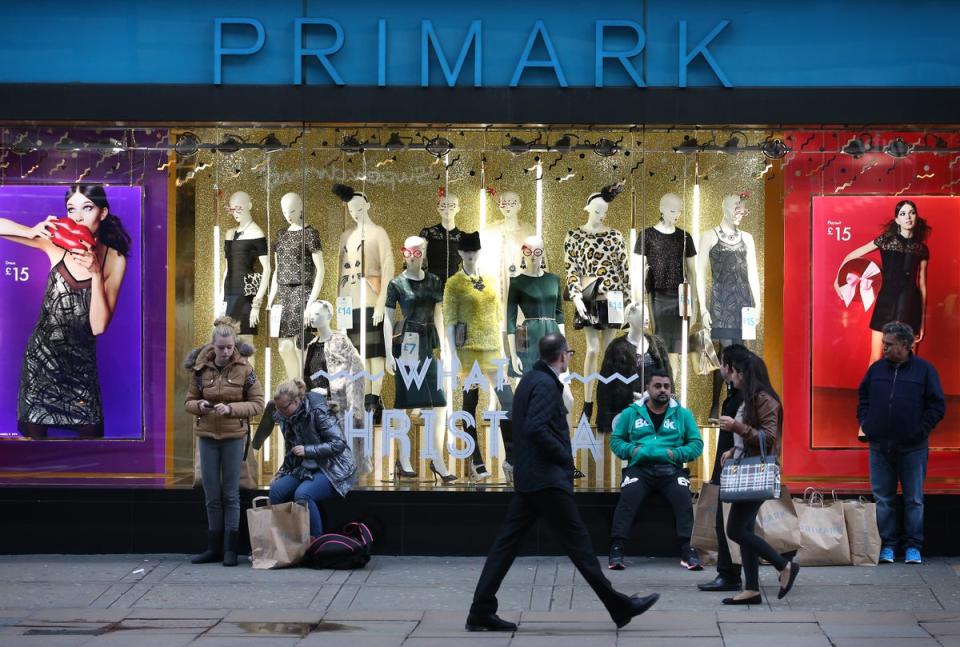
{"x": 527, "y": 251}
{"x": 411, "y": 253}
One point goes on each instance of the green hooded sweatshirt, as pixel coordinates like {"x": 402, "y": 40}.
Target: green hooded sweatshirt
{"x": 678, "y": 433}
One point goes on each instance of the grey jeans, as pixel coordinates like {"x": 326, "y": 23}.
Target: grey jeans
{"x": 220, "y": 462}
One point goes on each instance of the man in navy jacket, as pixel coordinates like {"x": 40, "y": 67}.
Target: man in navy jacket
{"x": 543, "y": 480}
{"x": 900, "y": 403}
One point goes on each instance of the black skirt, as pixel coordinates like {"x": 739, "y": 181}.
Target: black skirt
{"x": 666, "y": 318}
{"x": 375, "y": 346}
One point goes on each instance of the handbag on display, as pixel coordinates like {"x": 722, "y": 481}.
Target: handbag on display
{"x": 460, "y": 334}
{"x": 251, "y": 284}
{"x": 754, "y": 478}
{"x": 707, "y": 360}
{"x": 522, "y": 339}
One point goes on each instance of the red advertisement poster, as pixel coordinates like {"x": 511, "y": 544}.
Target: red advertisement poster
{"x": 864, "y": 273}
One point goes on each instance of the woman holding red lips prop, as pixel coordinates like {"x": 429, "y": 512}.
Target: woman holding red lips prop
{"x": 59, "y": 384}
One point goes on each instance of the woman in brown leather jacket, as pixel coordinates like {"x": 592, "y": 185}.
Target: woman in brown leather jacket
{"x": 223, "y": 394}
{"x": 760, "y": 413}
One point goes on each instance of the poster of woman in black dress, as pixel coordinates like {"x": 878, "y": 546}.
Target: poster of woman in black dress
{"x": 59, "y": 386}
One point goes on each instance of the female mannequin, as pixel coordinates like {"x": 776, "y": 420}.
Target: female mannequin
{"x": 730, "y": 254}
{"x": 671, "y": 254}
{"x": 536, "y": 294}
{"x": 294, "y": 273}
{"x": 443, "y": 238}
{"x": 366, "y": 262}
{"x": 502, "y": 241}
{"x": 243, "y": 289}
{"x": 470, "y": 299}
{"x": 595, "y": 258}
{"x": 635, "y": 353}
{"x": 418, "y": 294}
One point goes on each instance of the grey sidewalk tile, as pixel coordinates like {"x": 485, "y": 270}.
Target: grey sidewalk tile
{"x": 159, "y": 624}
{"x": 864, "y": 618}
{"x": 563, "y": 616}
{"x": 114, "y": 593}
{"x": 362, "y": 615}
{"x": 567, "y": 628}
{"x": 861, "y": 598}
{"x": 321, "y": 601}
{"x": 237, "y": 641}
{"x": 630, "y": 640}
{"x": 942, "y": 628}
{"x": 132, "y": 595}
{"x": 273, "y": 615}
{"x": 78, "y": 615}
{"x": 142, "y": 639}
{"x": 245, "y": 575}
{"x": 540, "y": 598}
{"x": 763, "y": 615}
{"x": 344, "y": 597}
{"x": 46, "y": 641}
{"x": 260, "y": 629}
{"x": 949, "y": 641}
{"x": 450, "y": 624}
{"x": 430, "y": 597}
{"x": 249, "y": 596}
{"x": 546, "y": 574}
{"x": 66, "y": 569}
{"x": 50, "y": 594}
{"x": 738, "y": 630}
{"x": 562, "y": 599}
{"x": 608, "y": 639}
{"x": 937, "y": 616}
{"x": 324, "y": 639}
{"x": 156, "y": 572}
{"x": 878, "y": 630}
{"x": 185, "y": 614}
{"x": 885, "y": 642}
{"x": 468, "y": 640}
{"x": 358, "y": 630}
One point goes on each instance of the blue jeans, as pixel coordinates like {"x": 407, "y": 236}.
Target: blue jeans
{"x": 909, "y": 468}
{"x": 220, "y": 462}
{"x": 290, "y": 488}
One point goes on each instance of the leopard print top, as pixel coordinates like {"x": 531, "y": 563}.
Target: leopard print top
{"x": 602, "y": 254}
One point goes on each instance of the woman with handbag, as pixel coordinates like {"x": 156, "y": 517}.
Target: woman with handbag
{"x": 224, "y": 394}
{"x": 318, "y": 464}
{"x": 757, "y": 429}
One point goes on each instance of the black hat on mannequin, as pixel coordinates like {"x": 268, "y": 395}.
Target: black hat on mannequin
{"x": 469, "y": 242}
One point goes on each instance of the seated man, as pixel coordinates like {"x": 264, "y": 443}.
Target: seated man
{"x": 656, "y": 436}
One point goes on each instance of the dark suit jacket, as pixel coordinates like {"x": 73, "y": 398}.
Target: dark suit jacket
{"x": 541, "y": 438}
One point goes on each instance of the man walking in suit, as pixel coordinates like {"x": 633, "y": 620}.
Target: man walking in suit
{"x": 543, "y": 482}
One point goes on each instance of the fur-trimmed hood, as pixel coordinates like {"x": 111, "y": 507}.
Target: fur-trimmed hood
{"x": 199, "y": 357}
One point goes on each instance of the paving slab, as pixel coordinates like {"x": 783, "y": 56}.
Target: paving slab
{"x": 46, "y": 641}
{"x": 244, "y": 574}
{"x": 142, "y": 639}
{"x": 50, "y": 594}
{"x": 942, "y": 628}
{"x": 885, "y": 642}
{"x": 221, "y": 596}
{"x": 862, "y": 598}
{"x": 628, "y": 640}
{"x": 157, "y": 614}
{"x": 362, "y": 615}
{"x": 237, "y": 641}
{"x": 77, "y": 615}
{"x": 876, "y": 630}
{"x": 484, "y": 640}
{"x": 608, "y": 639}
{"x": 322, "y": 639}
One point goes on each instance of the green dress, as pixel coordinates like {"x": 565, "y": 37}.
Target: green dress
{"x": 417, "y": 301}
{"x": 540, "y": 301}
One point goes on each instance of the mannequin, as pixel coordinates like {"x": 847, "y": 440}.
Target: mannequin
{"x": 536, "y": 294}
{"x": 243, "y": 289}
{"x": 419, "y": 294}
{"x": 366, "y": 262}
{"x": 671, "y": 256}
{"x": 294, "y": 273}
{"x": 730, "y": 254}
{"x": 595, "y": 259}
{"x": 635, "y": 353}
{"x": 502, "y": 241}
{"x": 443, "y": 238}
{"x": 470, "y": 299}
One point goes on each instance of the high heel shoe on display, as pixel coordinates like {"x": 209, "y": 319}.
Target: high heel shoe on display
{"x": 446, "y": 478}
{"x": 478, "y": 471}
{"x": 400, "y": 473}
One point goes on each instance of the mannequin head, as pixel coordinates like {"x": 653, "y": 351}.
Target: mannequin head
{"x": 469, "y": 250}
{"x": 319, "y": 314}
{"x": 239, "y": 206}
{"x": 636, "y": 317}
{"x": 671, "y": 208}
{"x": 448, "y": 207}
{"x": 469, "y": 260}
{"x": 509, "y": 204}
{"x": 291, "y": 205}
{"x": 734, "y": 210}
{"x": 534, "y": 256}
{"x": 357, "y": 203}
{"x": 414, "y": 252}
{"x": 596, "y": 210}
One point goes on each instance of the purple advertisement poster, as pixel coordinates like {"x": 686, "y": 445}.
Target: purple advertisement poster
{"x": 44, "y": 319}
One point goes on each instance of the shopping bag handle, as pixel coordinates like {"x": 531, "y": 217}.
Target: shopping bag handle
{"x": 260, "y": 501}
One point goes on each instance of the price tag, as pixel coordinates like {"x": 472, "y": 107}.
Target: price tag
{"x": 749, "y": 323}
{"x": 838, "y": 231}
{"x": 221, "y": 310}
{"x": 276, "y": 311}
{"x": 344, "y": 313}
{"x": 615, "y": 307}
{"x": 410, "y": 348}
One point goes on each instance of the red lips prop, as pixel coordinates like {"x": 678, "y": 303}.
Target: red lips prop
{"x": 71, "y": 235}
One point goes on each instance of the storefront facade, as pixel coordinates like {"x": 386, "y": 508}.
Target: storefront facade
{"x": 771, "y": 126}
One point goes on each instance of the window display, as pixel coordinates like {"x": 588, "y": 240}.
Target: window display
{"x": 244, "y": 246}
{"x": 535, "y": 295}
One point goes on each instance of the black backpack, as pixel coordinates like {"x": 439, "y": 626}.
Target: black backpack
{"x": 344, "y": 550}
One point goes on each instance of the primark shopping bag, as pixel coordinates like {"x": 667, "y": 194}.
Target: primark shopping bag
{"x": 860, "y": 516}
{"x": 823, "y": 531}
{"x": 704, "y": 537}
{"x": 777, "y": 524}
{"x": 279, "y": 534}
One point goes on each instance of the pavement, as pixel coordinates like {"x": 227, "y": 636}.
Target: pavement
{"x": 163, "y": 600}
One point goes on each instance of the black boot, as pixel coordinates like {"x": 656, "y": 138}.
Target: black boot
{"x": 715, "y": 401}
{"x": 230, "y": 538}
{"x": 214, "y": 551}
{"x": 587, "y": 411}
{"x": 377, "y": 410}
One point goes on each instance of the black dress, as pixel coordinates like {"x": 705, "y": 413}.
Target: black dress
{"x": 418, "y": 301}
{"x": 899, "y": 298}
{"x": 295, "y": 274}
{"x": 665, "y": 255}
{"x": 59, "y": 384}
{"x": 442, "y": 246}
{"x": 621, "y": 357}
{"x": 242, "y": 282}
{"x": 730, "y": 292}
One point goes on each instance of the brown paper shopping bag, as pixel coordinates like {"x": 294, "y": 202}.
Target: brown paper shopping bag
{"x": 823, "y": 531}
{"x": 777, "y": 524}
{"x": 860, "y": 516}
{"x": 279, "y": 534}
{"x": 704, "y": 537}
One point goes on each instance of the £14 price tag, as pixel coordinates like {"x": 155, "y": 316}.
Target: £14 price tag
{"x": 615, "y": 307}
{"x": 344, "y": 313}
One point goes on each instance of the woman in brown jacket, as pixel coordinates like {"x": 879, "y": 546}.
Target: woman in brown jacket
{"x": 223, "y": 394}
{"x": 760, "y": 413}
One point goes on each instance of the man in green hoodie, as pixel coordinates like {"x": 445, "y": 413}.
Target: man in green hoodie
{"x": 656, "y": 436}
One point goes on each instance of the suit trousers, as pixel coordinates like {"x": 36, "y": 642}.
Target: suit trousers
{"x": 559, "y": 510}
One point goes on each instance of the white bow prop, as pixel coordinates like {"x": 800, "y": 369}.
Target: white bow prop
{"x": 865, "y": 281}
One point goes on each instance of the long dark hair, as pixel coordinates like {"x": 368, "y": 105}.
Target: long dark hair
{"x": 111, "y": 232}
{"x": 920, "y": 230}
{"x": 754, "y": 381}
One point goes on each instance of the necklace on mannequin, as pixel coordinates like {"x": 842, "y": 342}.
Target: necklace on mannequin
{"x": 729, "y": 238}
{"x": 238, "y": 231}
{"x": 477, "y": 281}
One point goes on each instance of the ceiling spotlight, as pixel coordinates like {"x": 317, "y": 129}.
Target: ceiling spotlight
{"x": 67, "y": 144}
{"x": 394, "y": 143}
{"x": 688, "y": 145}
{"x": 230, "y": 144}
{"x": 564, "y": 143}
{"x": 351, "y": 144}
{"x": 774, "y": 149}
{"x": 187, "y": 144}
{"x": 605, "y": 148}
{"x": 897, "y": 148}
{"x": 271, "y": 144}
{"x": 856, "y": 147}
{"x": 438, "y": 146}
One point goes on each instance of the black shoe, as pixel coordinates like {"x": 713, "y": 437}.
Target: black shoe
{"x": 491, "y": 622}
{"x": 587, "y": 411}
{"x": 755, "y": 599}
{"x": 449, "y": 478}
{"x": 690, "y": 559}
{"x": 637, "y": 606}
{"x": 615, "y": 559}
{"x": 400, "y": 473}
{"x": 720, "y": 583}
{"x": 230, "y": 538}
{"x": 214, "y": 551}
{"x": 794, "y": 571}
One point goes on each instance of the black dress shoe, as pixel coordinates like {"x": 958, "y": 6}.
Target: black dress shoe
{"x": 720, "y": 583}
{"x": 638, "y": 604}
{"x": 491, "y": 622}
{"x": 754, "y": 599}
{"x": 794, "y": 571}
